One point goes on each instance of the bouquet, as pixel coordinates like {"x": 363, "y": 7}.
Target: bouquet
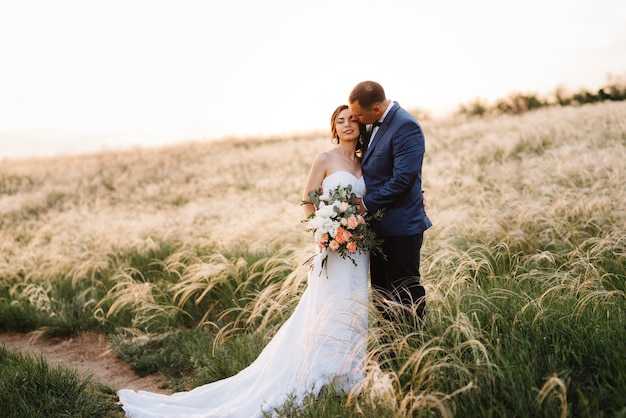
{"x": 337, "y": 225}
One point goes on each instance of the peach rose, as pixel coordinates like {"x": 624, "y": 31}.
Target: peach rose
{"x": 361, "y": 219}
{"x": 351, "y": 246}
{"x": 334, "y": 245}
{"x": 343, "y": 206}
{"x": 340, "y": 237}
{"x": 353, "y": 222}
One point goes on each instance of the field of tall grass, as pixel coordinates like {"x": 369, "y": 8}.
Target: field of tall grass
{"x": 190, "y": 257}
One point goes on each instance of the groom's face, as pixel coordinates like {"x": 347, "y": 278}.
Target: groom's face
{"x": 365, "y": 116}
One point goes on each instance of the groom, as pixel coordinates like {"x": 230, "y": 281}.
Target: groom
{"x": 392, "y": 167}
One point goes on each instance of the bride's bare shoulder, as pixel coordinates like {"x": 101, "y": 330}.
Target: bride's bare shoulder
{"x": 326, "y": 162}
{"x": 324, "y": 158}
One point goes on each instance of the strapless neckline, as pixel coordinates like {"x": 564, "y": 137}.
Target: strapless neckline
{"x": 344, "y": 171}
{"x": 345, "y": 178}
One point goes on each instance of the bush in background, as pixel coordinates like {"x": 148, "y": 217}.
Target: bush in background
{"x": 518, "y": 103}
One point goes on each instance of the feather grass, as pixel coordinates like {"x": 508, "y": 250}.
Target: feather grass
{"x": 200, "y": 243}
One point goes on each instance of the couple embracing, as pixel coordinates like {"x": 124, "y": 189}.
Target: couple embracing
{"x": 379, "y": 152}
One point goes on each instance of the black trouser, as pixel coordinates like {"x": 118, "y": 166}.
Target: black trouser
{"x": 398, "y": 277}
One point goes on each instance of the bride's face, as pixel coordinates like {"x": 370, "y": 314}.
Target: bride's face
{"x": 347, "y": 127}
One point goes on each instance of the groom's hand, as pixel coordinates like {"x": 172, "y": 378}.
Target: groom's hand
{"x": 362, "y": 208}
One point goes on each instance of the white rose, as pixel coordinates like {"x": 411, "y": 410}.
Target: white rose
{"x": 325, "y": 212}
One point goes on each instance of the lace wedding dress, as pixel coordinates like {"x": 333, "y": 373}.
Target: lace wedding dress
{"x": 323, "y": 343}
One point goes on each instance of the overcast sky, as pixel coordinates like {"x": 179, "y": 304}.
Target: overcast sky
{"x": 85, "y": 75}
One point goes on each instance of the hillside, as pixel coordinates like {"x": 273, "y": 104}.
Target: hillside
{"x": 525, "y": 266}
{"x": 478, "y": 174}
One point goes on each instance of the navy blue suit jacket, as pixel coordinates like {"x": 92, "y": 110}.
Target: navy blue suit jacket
{"x": 392, "y": 167}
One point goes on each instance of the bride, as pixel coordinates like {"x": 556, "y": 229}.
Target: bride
{"x": 323, "y": 343}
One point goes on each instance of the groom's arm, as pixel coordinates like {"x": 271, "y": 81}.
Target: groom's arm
{"x": 408, "y": 153}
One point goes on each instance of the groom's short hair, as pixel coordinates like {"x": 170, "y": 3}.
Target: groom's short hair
{"x": 367, "y": 94}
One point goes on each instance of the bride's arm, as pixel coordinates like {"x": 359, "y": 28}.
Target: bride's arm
{"x": 314, "y": 180}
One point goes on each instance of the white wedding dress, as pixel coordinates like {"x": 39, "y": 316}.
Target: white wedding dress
{"x": 323, "y": 343}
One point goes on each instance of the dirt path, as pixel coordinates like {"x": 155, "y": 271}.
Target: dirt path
{"x": 87, "y": 353}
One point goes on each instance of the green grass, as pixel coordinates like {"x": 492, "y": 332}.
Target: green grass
{"x": 30, "y": 388}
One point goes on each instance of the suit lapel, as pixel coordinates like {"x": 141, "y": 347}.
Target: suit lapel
{"x": 380, "y": 134}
